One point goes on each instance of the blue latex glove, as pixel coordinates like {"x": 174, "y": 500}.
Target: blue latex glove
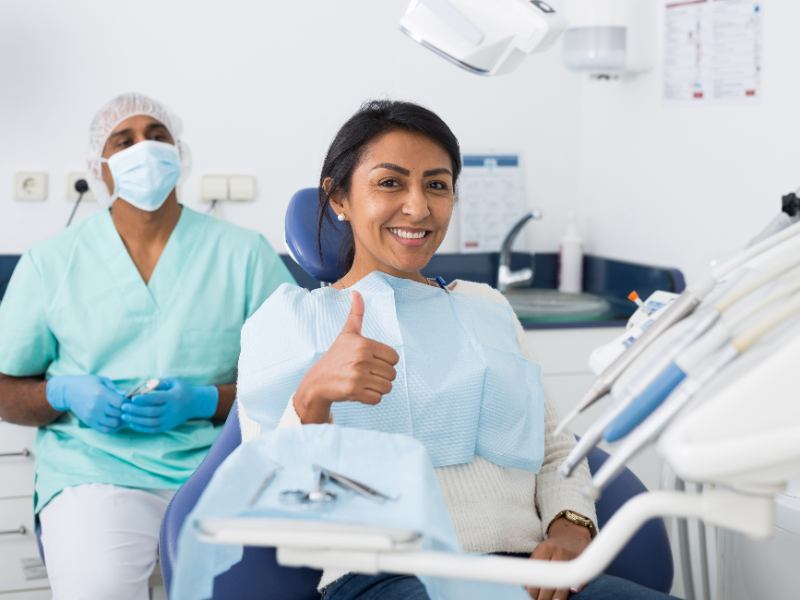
{"x": 170, "y": 404}
{"x": 94, "y": 400}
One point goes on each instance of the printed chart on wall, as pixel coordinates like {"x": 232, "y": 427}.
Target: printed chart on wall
{"x": 490, "y": 200}
{"x": 713, "y": 51}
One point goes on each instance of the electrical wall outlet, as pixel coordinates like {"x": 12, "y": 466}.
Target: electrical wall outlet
{"x": 30, "y": 186}
{"x": 71, "y": 193}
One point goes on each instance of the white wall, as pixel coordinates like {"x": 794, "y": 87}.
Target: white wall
{"x": 262, "y": 88}
{"x": 680, "y": 186}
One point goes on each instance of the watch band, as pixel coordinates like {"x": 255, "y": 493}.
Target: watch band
{"x": 576, "y": 518}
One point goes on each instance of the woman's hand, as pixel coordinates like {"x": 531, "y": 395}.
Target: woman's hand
{"x": 354, "y": 368}
{"x": 565, "y": 541}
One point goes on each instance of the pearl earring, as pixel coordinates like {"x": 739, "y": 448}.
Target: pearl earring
{"x": 340, "y": 217}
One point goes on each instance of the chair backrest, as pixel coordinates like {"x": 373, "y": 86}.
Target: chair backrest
{"x": 300, "y": 228}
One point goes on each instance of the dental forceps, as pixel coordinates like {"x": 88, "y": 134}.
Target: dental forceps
{"x": 355, "y": 486}
{"x": 319, "y": 495}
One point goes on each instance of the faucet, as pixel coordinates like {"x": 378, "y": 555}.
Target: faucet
{"x": 506, "y": 278}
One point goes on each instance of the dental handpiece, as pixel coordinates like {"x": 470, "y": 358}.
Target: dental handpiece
{"x": 683, "y": 306}
{"x": 663, "y": 415}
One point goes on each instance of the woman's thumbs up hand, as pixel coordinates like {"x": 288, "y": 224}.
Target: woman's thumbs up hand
{"x": 354, "y": 368}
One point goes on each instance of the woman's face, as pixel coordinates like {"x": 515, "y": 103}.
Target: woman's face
{"x": 400, "y": 202}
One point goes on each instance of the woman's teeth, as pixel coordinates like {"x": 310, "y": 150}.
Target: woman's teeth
{"x": 409, "y": 235}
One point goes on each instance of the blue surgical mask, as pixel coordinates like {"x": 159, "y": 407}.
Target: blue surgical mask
{"x": 145, "y": 174}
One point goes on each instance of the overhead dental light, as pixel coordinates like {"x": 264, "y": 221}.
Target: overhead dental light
{"x": 484, "y": 37}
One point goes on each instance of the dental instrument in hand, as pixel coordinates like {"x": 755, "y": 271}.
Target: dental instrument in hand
{"x": 143, "y": 388}
{"x": 664, "y": 414}
{"x": 683, "y": 306}
{"x": 355, "y": 486}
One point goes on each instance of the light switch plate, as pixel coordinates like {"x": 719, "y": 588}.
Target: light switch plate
{"x": 30, "y": 186}
{"x": 242, "y": 188}
{"x": 214, "y": 187}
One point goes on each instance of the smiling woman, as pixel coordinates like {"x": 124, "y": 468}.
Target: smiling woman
{"x": 391, "y": 173}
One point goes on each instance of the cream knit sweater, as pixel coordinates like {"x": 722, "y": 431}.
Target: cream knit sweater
{"x": 493, "y": 508}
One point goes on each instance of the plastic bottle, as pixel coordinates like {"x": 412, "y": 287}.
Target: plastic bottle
{"x": 570, "y": 259}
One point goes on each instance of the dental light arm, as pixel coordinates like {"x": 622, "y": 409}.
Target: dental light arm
{"x": 488, "y": 38}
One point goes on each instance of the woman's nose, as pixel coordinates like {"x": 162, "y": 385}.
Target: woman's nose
{"x": 416, "y": 204}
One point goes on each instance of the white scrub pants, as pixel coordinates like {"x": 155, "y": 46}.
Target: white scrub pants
{"x": 101, "y": 541}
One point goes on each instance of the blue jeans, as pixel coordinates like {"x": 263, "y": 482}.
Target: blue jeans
{"x": 406, "y": 587}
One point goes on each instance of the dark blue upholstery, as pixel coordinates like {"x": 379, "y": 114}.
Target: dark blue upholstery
{"x": 646, "y": 559}
{"x": 301, "y": 226}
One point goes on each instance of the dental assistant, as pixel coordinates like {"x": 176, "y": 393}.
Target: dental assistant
{"x": 145, "y": 289}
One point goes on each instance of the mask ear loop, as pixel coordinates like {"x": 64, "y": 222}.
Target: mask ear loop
{"x": 95, "y": 180}
{"x": 113, "y": 195}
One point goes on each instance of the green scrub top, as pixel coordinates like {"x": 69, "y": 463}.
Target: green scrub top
{"x": 76, "y": 304}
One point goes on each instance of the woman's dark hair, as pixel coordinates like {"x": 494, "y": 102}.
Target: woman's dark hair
{"x": 374, "y": 118}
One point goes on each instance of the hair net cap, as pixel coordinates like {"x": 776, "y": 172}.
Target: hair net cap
{"x": 114, "y": 112}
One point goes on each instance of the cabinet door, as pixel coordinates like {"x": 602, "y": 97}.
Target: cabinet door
{"x": 16, "y": 460}
{"x": 18, "y": 551}
{"x": 567, "y": 350}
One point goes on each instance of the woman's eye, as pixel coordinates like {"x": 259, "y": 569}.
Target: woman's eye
{"x": 440, "y": 186}
{"x": 389, "y": 183}
{"x": 123, "y": 143}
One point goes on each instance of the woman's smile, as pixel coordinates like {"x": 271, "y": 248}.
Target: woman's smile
{"x": 410, "y": 236}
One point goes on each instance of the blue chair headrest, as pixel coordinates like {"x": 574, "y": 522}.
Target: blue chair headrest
{"x": 301, "y": 227}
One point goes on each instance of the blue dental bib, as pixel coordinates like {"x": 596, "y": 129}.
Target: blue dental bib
{"x": 463, "y": 386}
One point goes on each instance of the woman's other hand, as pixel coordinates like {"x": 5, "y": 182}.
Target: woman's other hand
{"x": 565, "y": 541}
{"x": 354, "y": 368}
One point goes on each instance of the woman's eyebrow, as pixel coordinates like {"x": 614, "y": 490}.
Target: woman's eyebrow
{"x": 439, "y": 171}
{"x": 392, "y": 167}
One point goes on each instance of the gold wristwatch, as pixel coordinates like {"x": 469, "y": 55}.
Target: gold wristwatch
{"x": 577, "y": 519}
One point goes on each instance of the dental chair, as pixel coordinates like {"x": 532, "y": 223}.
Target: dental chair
{"x": 646, "y": 559}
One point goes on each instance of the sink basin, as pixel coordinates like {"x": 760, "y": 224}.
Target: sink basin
{"x": 552, "y": 306}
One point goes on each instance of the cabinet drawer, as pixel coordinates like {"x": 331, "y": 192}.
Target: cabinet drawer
{"x": 567, "y": 350}
{"x": 14, "y": 438}
{"x": 16, "y": 460}
{"x": 17, "y": 545}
